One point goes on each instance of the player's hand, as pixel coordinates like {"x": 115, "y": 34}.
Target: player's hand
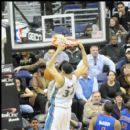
{"x": 81, "y": 46}
{"x": 61, "y": 47}
{"x": 17, "y": 69}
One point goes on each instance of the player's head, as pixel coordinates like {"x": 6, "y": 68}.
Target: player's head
{"x": 66, "y": 67}
{"x": 108, "y": 107}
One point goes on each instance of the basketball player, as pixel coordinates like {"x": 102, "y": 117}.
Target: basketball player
{"x": 105, "y": 121}
{"x": 125, "y": 117}
{"x": 59, "y": 112}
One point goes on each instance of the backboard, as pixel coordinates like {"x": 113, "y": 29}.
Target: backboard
{"x": 32, "y": 27}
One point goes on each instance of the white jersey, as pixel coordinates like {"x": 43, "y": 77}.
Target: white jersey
{"x": 62, "y": 97}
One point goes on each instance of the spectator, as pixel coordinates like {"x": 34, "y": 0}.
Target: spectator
{"x": 75, "y": 55}
{"x": 61, "y": 56}
{"x": 75, "y": 124}
{"x": 24, "y": 94}
{"x": 118, "y": 105}
{"x": 124, "y": 60}
{"x": 34, "y": 125}
{"x": 126, "y": 45}
{"x": 88, "y": 31}
{"x": 97, "y": 61}
{"x": 112, "y": 50}
{"x": 38, "y": 99}
{"x": 27, "y": 58}
{"x": 39, "y": 84}
{"x": 92, "y": 108}
{"x": 110, "y": 87}
{"x": 86, "y": 86}
{"x": 123, "y": 15}
{"x": 124, "y": 79}
{"x": 31, "y": 67}
{"x": 117, "y": 29}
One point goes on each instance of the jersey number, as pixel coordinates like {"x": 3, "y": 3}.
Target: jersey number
{"x": 103, "y": 128}
{"x": 124, "y": 125}
{"x": 68, "y": 92}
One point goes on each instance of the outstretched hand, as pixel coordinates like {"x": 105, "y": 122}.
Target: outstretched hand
{"x": 61, "y": 47}
{"x": 81, "y": 45}
{"x": 17, "y": 69}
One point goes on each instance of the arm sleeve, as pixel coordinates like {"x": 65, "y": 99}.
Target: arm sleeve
{"x": 109, "y": 62}
{"x": 95, "y": 85}
{"x": 103, "y": 91}
{"x": 79, "y": 92}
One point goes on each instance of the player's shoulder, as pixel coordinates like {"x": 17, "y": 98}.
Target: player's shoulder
{"x": 117, "y": 125}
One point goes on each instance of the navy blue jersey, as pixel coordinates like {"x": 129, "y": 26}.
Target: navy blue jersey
{"x": 125, "y": 120}
{"x": 104, "y": 122}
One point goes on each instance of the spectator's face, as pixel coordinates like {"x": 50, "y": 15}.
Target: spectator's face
{"x": 96, "y": 98}
{"x": 128, "y": 56}
{"x": 126, "y": 70}
{"x": 51, "y": 53}
{"x": 94, "y": 51}
{"x": 89, "y": 30}
{"x": 128, "y": 104}
{"x": 41, "y": 70}
{"x": 112, "y": 22}
{"x": 128, "y": 40}
{"x": 119, "y": 99}
{"x": 34, "y": 124}
{"x": 17, "y": 81}
{"x": 114, "y": 40}
{"x": 25, "y": 53}
{"x": 111, "y": 76}
{"x": 121, "y": 8}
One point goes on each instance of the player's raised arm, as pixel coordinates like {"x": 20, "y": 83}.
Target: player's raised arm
{"x": 78, "y": 72}
{"x": 52, "y": 69}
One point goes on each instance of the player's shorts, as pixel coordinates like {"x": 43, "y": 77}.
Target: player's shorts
{"x": 58, "y": 118}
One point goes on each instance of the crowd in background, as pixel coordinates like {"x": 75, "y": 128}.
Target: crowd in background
{"x": 106, "y": 79}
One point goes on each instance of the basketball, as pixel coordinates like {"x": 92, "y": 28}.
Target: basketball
{"x": 47, "y": 75}
{"x": 60, "y": 39}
